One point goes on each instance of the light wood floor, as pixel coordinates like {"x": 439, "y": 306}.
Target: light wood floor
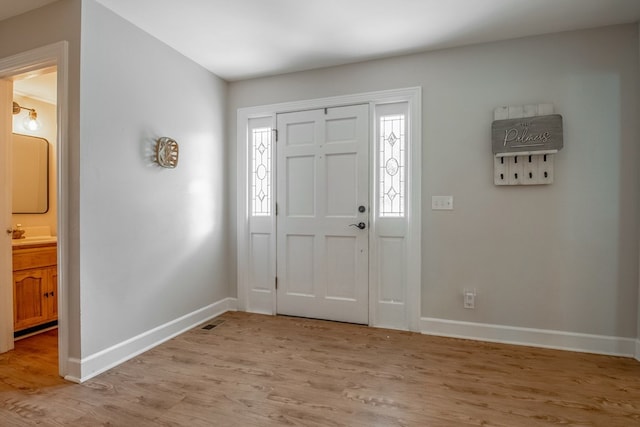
{"x": 255, "y": 370}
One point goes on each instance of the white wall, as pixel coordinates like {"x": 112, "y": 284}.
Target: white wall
{"x": 560, "y": 257}
{"x": 48, "y": 130}
{"x": 153, "y": 240}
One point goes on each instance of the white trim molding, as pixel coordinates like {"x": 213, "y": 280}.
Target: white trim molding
{"x": 544, "y": 338}
{"x": 638, "y": 349}
{"x": 97, "y": 363}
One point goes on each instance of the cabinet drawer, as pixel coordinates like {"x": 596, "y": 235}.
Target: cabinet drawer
{"x": 34, "y": 257}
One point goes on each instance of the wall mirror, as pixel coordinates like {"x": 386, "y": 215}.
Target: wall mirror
{"x": 30, "y": 174}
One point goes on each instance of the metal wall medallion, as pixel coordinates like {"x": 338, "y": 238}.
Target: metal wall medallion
{"x": 167, "y": 152}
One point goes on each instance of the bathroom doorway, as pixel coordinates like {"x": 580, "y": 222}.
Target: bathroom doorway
{"x": 17, "y": 69}
{"x": 34, "y": 202}
{"x": 34, "y": 213}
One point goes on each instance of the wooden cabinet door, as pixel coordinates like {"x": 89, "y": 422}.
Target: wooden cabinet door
{"x": 29, "y": 287}
{"x": 52, "y": 299}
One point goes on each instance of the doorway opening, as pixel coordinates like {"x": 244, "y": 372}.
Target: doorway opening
{"x": 34, "y": 208}
{"x": 34, "y": 212}
{"x": 33, "y": 85}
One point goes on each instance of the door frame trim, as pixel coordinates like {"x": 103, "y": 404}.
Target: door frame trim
{"x": 413, "y": 96}
{"x": 56, "y": 54}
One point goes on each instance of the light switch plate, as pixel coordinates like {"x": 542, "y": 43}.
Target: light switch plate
{"x": 442, "y": 203}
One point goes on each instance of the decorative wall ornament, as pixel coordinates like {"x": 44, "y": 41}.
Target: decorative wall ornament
{"x": 167, "y": 152}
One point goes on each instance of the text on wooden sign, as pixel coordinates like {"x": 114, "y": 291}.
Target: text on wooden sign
{"x": 530, "y": 134}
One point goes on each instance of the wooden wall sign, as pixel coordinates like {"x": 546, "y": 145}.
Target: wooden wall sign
{"x": 527, "y": 134}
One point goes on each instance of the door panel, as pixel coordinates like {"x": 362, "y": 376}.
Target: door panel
{"x": 342, "y": 272}
{"x": 299, "y": 273}
{"x": 29, "y": 298}
{"x": 391, "y": 250}
{"x": 300, "y": 133}
{"x": 323, "y": 170}
{"x": 53, "y": 293}
{"x": 342, "y": 184}
{"x": 301, "y": 186}
{"x": 6, "y": 271}
{"x": 259, "y": 265}
{"x": 342, "y": 130}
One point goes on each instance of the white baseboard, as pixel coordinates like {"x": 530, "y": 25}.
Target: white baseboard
{"x": 74, "y": 369}
{"x": 560, "y": 340}
{"x": 95, "y": 364}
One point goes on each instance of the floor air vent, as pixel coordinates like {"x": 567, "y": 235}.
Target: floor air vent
{"x": 213, "y": 324}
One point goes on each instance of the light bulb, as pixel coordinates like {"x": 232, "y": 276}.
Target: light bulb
{"x": 31, "y": 121}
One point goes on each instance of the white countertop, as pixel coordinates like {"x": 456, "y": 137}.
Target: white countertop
{"x": 34, "y": 240}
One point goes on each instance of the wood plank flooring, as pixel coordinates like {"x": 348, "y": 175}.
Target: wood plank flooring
{"x": 255, "y": 370}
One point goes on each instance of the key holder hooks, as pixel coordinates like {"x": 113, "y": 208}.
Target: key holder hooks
{"x": 524, "y": 140}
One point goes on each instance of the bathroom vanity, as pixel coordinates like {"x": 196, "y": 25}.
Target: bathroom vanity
{"x": 35, "y": 273}
{"x": 35, "y": 279}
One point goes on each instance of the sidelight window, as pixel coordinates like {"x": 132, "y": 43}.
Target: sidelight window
{"x": 391, "y": 165}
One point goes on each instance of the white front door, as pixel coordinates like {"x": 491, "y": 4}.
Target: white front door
{"x": 323, "y": 214}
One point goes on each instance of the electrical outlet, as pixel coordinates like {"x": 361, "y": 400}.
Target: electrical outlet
{"x": 469, "y": 298}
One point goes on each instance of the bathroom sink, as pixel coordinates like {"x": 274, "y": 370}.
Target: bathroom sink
{"x": 34, "y": 240}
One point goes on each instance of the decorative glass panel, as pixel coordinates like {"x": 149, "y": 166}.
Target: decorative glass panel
{"x": 392, "y": 165}
{"x": 261, "y": 173}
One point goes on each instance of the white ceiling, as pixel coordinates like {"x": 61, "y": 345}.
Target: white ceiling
{"x": 9, "y": 8}
{"x": 240, "y": 39}
{"x": 41, "y": 87}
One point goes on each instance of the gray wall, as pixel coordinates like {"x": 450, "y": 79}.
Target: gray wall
{"x": 153, "y": 240}
{"x": 561, "y": 257}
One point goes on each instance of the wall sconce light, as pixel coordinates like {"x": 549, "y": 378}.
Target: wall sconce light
{"x": 31, "y": 121}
